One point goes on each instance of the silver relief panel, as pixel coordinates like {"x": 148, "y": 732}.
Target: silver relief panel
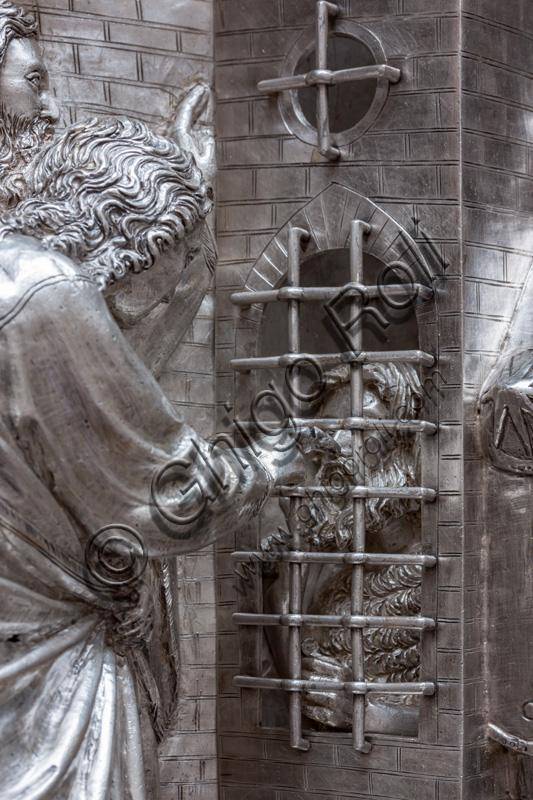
{"x": 140, "y": 60}
{"x": 445, "y": 157}
{"x": 372, "y": 628}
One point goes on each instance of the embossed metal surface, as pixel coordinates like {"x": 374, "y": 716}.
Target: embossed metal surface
{"x": 322, "y": 78}
{"x": 88, "y": 670}
{"x": 87, "y": 511}
{"x": 445, "y": 158}
{"x": 314, "y": 684}
{"x": 439, "y": 165}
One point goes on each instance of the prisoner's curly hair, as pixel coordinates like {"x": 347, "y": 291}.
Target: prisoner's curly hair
{"x": 397, "y": 385}
{"x": 15, "y": 23}
{"x": 112, "y": 195}
{"x": 396, "y": 462}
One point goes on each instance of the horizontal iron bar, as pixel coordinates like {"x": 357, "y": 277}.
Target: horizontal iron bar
{"x": 313, "y": 293}
{"x": 369, "y": 424}
{"x": 349, "y": 423}
{"x": 361, "y": 687}
{"x": 274, "y": 85}
{"x": 289, "y": 359}
{"x": 364, "y": 492}
{"x": 392, "y": 74}
{"x": 335, "y": 621}
{"x": 300, "y": 557}
{"x": 330, "y": 152}
{"x": 327, "y": 77}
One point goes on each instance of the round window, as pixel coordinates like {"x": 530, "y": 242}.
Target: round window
{"x": 353, "y": 106}
{"x": 349, "y": 103}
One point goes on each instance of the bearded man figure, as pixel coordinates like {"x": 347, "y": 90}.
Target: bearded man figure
{"x": 393, "y": 525}
{"x": 28, "y": 112}
{"x": 99, "y": 475}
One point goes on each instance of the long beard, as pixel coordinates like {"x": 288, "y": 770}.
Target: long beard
{"x": 330, "y": 524}
{"x": 21, "y": 139}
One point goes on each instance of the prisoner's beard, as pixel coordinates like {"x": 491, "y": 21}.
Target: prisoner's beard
{"x": 21, "y": 139}
{"x": 330, "y": 524}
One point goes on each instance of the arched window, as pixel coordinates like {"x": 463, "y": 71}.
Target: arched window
{"x": 333, "y": 331}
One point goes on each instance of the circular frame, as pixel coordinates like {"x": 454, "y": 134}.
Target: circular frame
{"x": 289, "y": 103}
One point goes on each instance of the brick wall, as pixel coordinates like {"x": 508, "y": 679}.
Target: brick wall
{"x": 126, "y": 56}
{"x": 407, "y": 163}
{"x": 497, "y": 113}
{"x": 451, "y": 149}
{"x": 136, "y": 57}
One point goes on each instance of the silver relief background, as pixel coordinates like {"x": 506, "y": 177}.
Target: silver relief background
{"x": 451, "y": 148}
{"x": 136, "y": 57}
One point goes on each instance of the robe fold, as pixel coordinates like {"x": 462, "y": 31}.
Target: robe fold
{"x": 84, "y": 430}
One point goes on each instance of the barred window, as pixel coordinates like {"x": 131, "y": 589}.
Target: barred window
{"x": 342, "y": 558}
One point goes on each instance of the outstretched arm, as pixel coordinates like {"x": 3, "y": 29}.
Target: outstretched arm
{"x": 116, "y": 449}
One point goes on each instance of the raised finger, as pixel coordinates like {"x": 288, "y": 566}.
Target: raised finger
{"x": 191, "y": 107}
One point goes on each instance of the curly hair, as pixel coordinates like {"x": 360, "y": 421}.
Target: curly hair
{"x": 112, "y": 195}
{"x": 15, "y": 23}
{"x": 397, "y": 385}
{"x": 396, "y": 462}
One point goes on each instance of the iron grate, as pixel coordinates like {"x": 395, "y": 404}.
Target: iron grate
{"x": 356, "y": 622}
{"x": 322, "y": 78}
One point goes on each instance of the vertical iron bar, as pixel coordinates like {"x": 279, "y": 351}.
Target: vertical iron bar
{"x": 296, "y": 236}
{"x": 357, "y": 232}
{"x": 324, "y": 11}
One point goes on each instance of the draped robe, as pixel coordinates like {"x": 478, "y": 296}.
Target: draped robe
{"x": 84, "y": 427}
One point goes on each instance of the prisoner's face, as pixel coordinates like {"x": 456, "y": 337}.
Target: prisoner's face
{"x": 373, "y": 405}
{"x": 24, "y": 86}
{"x": 337, "y": 404}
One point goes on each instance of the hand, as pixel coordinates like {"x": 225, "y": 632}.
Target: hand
{"x": 281, "y": 457}
{"x": 334, "y": 709}
{"x": 288, "y": 455}
{"x": 193, "y": 128}
{"x": 316, "y": 441}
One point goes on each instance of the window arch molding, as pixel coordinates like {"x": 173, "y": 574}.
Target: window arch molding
{"x": 328, "y": 217}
